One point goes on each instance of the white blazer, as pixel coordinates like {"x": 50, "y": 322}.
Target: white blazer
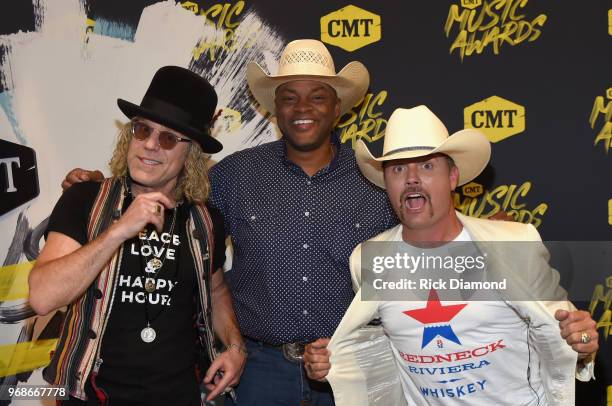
{"x": 363, "y": 368}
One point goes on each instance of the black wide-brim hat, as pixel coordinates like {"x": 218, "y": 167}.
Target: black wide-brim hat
{"x": 181, "y": 100}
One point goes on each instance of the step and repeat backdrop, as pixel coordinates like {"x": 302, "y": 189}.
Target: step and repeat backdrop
{"x": 534, "y": 76}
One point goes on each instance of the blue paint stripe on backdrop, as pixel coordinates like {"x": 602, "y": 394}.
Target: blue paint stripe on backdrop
{"x": 6, "y": 102}
{"x": 114, "y": 29}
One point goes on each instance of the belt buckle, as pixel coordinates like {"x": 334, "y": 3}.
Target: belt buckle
{"x": 294, "y": 352}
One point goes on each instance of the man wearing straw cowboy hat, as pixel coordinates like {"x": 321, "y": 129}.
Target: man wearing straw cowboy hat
{"x": 295, "y": 209}
{"x": 502, "y": 351}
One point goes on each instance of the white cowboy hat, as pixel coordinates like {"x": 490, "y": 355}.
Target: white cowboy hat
{"x": 308, "y": 59}
{"x": 417, "y": 132}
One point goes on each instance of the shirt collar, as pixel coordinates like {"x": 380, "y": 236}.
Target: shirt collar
{"x": 341, "y": 155}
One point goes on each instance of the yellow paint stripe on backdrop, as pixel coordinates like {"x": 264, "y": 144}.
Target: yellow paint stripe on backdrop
{"x": 23, "y": 357}
{"x": 14, "y": 281}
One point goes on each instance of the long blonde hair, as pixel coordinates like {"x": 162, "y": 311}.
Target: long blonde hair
{"x": 192, "y": 185}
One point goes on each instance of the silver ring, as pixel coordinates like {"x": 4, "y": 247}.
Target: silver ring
{"x": 158, "y": 209}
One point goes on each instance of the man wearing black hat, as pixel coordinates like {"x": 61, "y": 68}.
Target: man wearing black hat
{"x": 135, "y": 258}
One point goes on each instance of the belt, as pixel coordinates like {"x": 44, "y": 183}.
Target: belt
{"x": 293, "y": 352}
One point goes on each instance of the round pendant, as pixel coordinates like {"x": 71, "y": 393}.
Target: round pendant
{"x": 150, "y": 286}
{"x": 154, "y": 263}
{"x": 148, "y": 334}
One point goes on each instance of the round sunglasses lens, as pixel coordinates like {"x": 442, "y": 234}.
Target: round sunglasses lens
{"x": 167, "y": 140}
{"x": 141, "y": 131}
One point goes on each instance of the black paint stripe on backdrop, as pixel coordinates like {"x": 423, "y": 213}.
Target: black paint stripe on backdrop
{"x": 3, "y": 79}
{"x": 16, "y": 16}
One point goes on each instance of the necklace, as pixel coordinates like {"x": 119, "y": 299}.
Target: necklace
{"x": 148, "y": 334}
{"x": 155, "y": 264}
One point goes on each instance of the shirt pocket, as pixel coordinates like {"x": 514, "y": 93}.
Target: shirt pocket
{"x": 254, "y": 229}
{"x": 349, "y": 232}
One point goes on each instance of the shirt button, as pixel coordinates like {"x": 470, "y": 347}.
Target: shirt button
{"x": 305, "y": 312}
{"x": 305, "y": 246}
{"x": 306, "y": 213}
{"x": 92, "y": 334}
{"x": 97, "y": 294}
{"x": 308, "y": 182}
{"x": 305, "y": 278}
{"x": 357, "y": 225}
{"x": 253, "y": 218}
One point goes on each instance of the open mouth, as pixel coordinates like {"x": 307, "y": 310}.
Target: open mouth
{"x": 414, "y": 201}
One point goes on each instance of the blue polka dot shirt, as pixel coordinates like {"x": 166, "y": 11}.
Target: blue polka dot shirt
{"x": 292, "y": 235}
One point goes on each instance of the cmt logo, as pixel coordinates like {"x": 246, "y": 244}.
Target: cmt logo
{"x": 350, "y": 28}
{"x": 18, "y": 176}
{"x": 472, "y": 189}
{"x": 475, "y": 201}
{"x": 496, "y": 117}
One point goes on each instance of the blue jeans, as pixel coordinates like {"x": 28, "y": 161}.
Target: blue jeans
{"x": 269, "y": 380}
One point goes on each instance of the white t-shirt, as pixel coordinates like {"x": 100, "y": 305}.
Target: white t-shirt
{"x": 463, "y": 352}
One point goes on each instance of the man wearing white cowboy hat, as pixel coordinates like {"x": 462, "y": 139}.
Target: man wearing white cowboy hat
{"x": 428, "y": 352}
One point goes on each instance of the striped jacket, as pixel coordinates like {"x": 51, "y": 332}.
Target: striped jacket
{"x": 77, "y": 352}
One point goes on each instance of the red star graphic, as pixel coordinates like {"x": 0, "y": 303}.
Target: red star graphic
{"x": 434, "y": 312}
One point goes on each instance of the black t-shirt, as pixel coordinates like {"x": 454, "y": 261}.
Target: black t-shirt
{"x": 132, "y": 371}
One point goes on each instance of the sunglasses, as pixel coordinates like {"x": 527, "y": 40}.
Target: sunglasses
{"x": 166, "y": 139}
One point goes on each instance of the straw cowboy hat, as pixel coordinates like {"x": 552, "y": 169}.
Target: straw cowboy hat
{"x": 417, "y": 132}
{"x": 308, "y": 59}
